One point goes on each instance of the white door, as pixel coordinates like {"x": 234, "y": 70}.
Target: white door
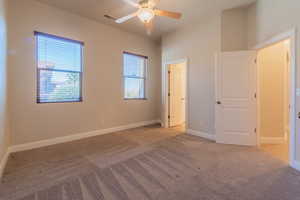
{"x": 236, "y": 98}
{"x": 176, "y": 94}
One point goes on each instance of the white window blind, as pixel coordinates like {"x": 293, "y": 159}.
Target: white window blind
{"x": 135, "y": 70}
{"x": 59, "y": 69}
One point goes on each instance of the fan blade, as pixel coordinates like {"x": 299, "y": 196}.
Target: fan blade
{"x": 149, "y": 27}
{"x": 165, "y": 13}
{"x": 109, "y": 17}
{"x": 132, "y": 3}
{"x": 124, "y": 19}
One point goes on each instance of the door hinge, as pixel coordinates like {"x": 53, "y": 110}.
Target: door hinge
{"x": 169, "y": 117}
{"x": 169, "y": 94}
{"x": 255, "y": 130}
{"x": 169, "y": 72}
{"x": 255, "y": 95}
{"x": 255, "y": 61}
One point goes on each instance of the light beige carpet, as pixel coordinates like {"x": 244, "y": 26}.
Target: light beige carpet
{"x": 147, "y": 163}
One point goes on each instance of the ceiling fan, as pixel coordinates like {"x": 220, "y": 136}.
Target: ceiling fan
{"x": 146, "y": 12}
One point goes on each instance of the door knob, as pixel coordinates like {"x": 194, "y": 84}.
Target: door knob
{"x": 219, "y": 102}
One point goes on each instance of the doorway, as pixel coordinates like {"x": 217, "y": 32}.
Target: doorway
{"x": 175, "y": 94}
{"x": 273, "y": 100}
{"x": 291, "y": 36}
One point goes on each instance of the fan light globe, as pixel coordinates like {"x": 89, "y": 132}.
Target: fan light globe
{"x": 146, "y": 15}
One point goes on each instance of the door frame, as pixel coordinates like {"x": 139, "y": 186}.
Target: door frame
{"x": 165, "y": 90}
{"x": 291, "y": 35}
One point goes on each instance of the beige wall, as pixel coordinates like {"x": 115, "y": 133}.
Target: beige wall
{"x": 270, "y": 17}
{"x": 4, "y": 135}
{"x": 198, "y": 43}
{"x": 272, "y": 66}
{"x": 234, "y": 29}
{"x": 103, "y": 105}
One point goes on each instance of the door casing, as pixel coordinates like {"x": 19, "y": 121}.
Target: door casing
{"x": 291, "y": 35}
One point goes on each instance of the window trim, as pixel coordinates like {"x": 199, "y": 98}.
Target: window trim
{"x": 145, "y": 78}
{"x": 134, "y": 54}
{"x": 38, "y": 70}
{"x": 58, "y": 37}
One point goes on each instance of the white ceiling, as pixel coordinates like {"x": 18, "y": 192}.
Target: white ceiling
{"x": 193, "y": 11}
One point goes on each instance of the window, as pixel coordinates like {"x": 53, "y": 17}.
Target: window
{"x": 135, "y": 70}
{"x": 59, "y": 69}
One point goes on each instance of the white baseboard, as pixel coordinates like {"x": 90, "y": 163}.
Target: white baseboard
{"x": 273, "y": 140}
{"x": 43, "y": 143}
{"x": 48, "y": 142}
{"x": 201, "y": 134}
{"x": 3, "y": 162}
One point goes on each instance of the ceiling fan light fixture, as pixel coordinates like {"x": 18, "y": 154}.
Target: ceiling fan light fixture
{"x": 146, "y": 14}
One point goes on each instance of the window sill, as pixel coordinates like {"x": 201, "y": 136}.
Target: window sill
{"x": 79, "y": 101}
{"x": 142, "y": 99}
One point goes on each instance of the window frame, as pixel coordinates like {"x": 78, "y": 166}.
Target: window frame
{"x": 38, "y": 72}
{"x": 145, "y": 78}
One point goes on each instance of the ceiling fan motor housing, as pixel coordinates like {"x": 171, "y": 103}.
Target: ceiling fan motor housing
{"x": 146, "y": 14}
{"x": 145, "y": 4}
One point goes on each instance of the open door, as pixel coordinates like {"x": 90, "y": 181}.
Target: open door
{"x": 177, "y": 94}
{"x": 236, "y": 98}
